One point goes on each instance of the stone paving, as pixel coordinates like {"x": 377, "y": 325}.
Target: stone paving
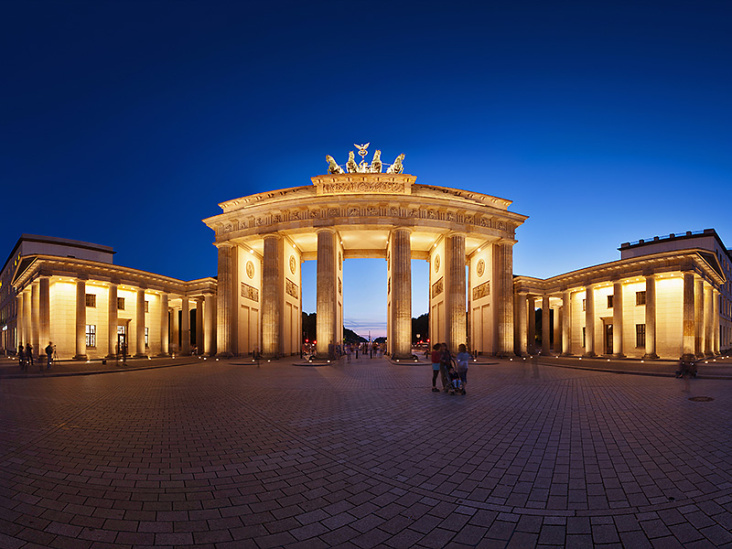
{"x": 363, "y": 454}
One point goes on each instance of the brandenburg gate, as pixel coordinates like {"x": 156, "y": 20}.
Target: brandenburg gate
{"x": 363, "y": 211}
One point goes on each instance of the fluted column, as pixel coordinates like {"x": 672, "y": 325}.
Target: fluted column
{"x": 44, "y": 313}
{"x": 140, "y": 323}
{"x": 27, "y": 316}
{"x": 164, "y": 325}
{"x": 112, "y": 320}
{"x": 545, "y": 327}
{"x": 401, "y": 292}
{"x": 227, "y": 301}
{"x": 650, "y": 317}
{"x": 618, "y": 319}
{"x": 19, "y": 321}
{"x": 708, "y": 321}
{"x": 209, "y": 314}
{"x": 80, "y": 320}
{"x": 199, "y": 325}
{"x": 175, "y": 331}
{"x": 185, "y": 327}
{"x": 699, "y": 318}
{"x": 523, "y": 324}
{"x": 455, "y": 302}
{"x": 689, "y": 336}
{"x": 715, "y": 322}
{"x": 590, "y": 320}
{"x": 566, "y": 323}
{"x": 326, "y": 292}
{"x": 272, "y": 298}
{"x": 503, "y": 285}
{"x": 35, "y": 324}
{"x": 531, "y": 339}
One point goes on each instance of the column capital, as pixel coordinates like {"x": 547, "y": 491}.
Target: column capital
{"x": 330, "y": 230}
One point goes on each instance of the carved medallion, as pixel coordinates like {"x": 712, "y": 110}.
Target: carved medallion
{"x": 250, "y": 269}
{"x": 293, "y": 264}
{"x": 340, "y": 287}
{"x": 480, "y": 268}
{"x": 437, "y": 262}
{"x": 340, "y": 261}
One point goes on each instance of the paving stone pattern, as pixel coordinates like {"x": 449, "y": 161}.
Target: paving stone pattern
{"x": 230, "y": 455}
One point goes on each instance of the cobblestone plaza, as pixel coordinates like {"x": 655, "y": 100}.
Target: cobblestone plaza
{"x": 362, "y": 454}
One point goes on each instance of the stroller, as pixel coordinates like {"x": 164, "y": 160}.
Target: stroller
{"x": 450, "y": 378}
{"x": 687, "y": 368}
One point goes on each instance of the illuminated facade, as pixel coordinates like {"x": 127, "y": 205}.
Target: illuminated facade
{"x": 90, "y": 308}
{"x": 263, "y": 239}
{"x": 665, "y": 298}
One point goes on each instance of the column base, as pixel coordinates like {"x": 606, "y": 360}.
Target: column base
{"x": 139, "y": 355}
{"x": 79, "y": 357}
{"x": 225, "y": 354}
{"x": 618, "y": 355}
{"x": 688, "y": 357}
{"x": 566, "y": 354}
{"x": 589, "y": 355}
{"x": 650, "y": 356}
{"x": 162, "y": 355}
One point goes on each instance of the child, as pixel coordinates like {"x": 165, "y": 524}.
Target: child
{"x": 455, "y": 383}
{"x": 462, "y": 359}
{"x": 436, "y": 355}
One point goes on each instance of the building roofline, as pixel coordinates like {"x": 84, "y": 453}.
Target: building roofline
{"x": 56, "y": 240}
{"x": 675, "y": 237}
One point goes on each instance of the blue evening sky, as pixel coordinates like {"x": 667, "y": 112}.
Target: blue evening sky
{"x": 125, "y": 123}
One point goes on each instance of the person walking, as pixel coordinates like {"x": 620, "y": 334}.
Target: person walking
{"x": 436, "y": 355}
{"x": 29, "y": 353}
{"x": 21, "y": 357}
{"x": 49, "y": 355}
{"x": 445, "y": 365}
{"x": 462, "y": 359}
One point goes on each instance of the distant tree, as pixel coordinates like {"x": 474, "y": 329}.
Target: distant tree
{"x": 349, "y": 336}
{"x": 421, "y": 326}
{"x": 380, "y": 340}
{"x": 309, "y": 330}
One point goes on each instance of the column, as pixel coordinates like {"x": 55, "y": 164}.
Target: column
{"x": 272, "y": 298}
{"x": 112, "y": 321}
{"x": 523, "y": 323}
{"x": 590, "y": 320}
{"x": 27, "y": 316}
{"x": 545, "y": 328}
{"x": 566, "y": 323}
{"x": 175, "y": 331}
{"x": 618, "y": 319}
{"x": 227, "y": 301}
{"x": 531, "y": 340}
{"x": 35, "y": 324}
{"x": 185, "y": 327}
{"x": 80, "y": 320}
{"x": 455, "y": 296}
{"x": 699, "y": 317}
{"x": 557, "y": 341}
{"x": 44, "y": 313}
{"x": 140, "y": 323}
{"x": 326, "y": 292}
{"x": 708, "y": 321}
{"x": 689, "y": 335}
{"x": 650, "y": 317}
{"x": 209, "y": 314}
{"x": 715, "y": 322}
{"x": 401, "y": 292}
{"x": 199, "y": 326}
{"x": 19, "y": 320}
{"x": 164, "y": 325}
{"x": 503, "y": 285}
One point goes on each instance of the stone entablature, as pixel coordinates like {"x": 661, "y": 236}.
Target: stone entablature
{"x": 426, "y": 206}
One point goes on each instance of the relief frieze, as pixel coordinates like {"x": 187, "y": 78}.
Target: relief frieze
{"x": 438, "y": 287}
{"x": 249, "y": 292}
{"x": 291, "y": 288}
{"x": 483, "y": 290}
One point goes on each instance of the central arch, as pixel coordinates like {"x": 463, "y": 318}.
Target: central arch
{"x": 264, "y": 238}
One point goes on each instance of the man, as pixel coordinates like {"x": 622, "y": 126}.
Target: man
{"x": 49, "y": 355}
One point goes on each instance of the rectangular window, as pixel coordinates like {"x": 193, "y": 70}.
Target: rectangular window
{"x": 91, "y": 300}
{"x": 147, "y": 336}
{"x": 640, "y": 335}
{"x": 147, "y": 306}
{"x": 610, "y": 301}
{"x": 584, "y": 304}
{"x": 121, "y": 303}
{"x": 640, "y": 298}
{"x": 91, "y": 335}
{"x": 584, "y": 337}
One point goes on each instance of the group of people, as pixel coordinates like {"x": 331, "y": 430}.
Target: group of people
{"x": 25, "y": 356}
{"x": 453, "y": 371}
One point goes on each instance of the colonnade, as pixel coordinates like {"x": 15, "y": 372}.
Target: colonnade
{"x": 699, "y": 315}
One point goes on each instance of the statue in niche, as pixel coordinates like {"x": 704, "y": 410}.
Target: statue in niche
{"x": 397, "y": 166}
{"x": 332, "y": 166}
